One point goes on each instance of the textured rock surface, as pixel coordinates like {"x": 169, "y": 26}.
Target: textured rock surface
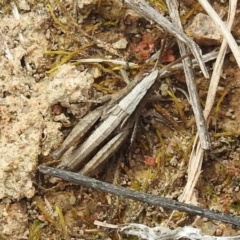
{"x": 204, "y": 31}
{"x": 27, "y": 124}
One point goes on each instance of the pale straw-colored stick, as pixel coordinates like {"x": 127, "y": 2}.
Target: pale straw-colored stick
{"x": 195, "y": 161}
{"x": 223, "y": 28}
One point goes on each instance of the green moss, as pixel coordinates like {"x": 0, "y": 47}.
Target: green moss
{"x": 65, "y": 56}
{"x": 160, "y": 4}
{"x": 220, "y": 100}
{"x": 135, "y": 185}
{"x": 57, "y": 223}
{"x": 209, "y": 191}
{"x": 35, "y": 231}
{"x": 190, "y": 13}
{"x": 179, "y": 106}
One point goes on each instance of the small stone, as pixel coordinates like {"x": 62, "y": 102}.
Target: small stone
{"x": 228, "y": 114}
{"x": 23, "y": 5}
{"x": 120, "y": 44}
{"x": 173, "y": 161}
{"x": 164, "y": 88}
{"x": 72, "y": 200}
{"x": 204, "y": 31}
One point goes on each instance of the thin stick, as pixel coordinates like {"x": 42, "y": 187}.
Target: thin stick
{"x": 78, "y": 132}
{"x": 192, "y": 89}
{"x": 105, "y": 153}
{"x": 204, "y": 137}
{"x": 142, "y": 7}
{"x": 219, "y": 63}
{"x": 138, "y": 196}
{"x": 118, "y": 116}
{"x": 222, "y": 27}
{"x": 196, "y": 158}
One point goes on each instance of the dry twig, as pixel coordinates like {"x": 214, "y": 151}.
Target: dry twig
{"x": 223, "y": 28}
{"x": 138, "y": 196}
{"x": 153, "y": 15}
{"x": 189, "y": 74}
{"x": 195, "y": 162}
